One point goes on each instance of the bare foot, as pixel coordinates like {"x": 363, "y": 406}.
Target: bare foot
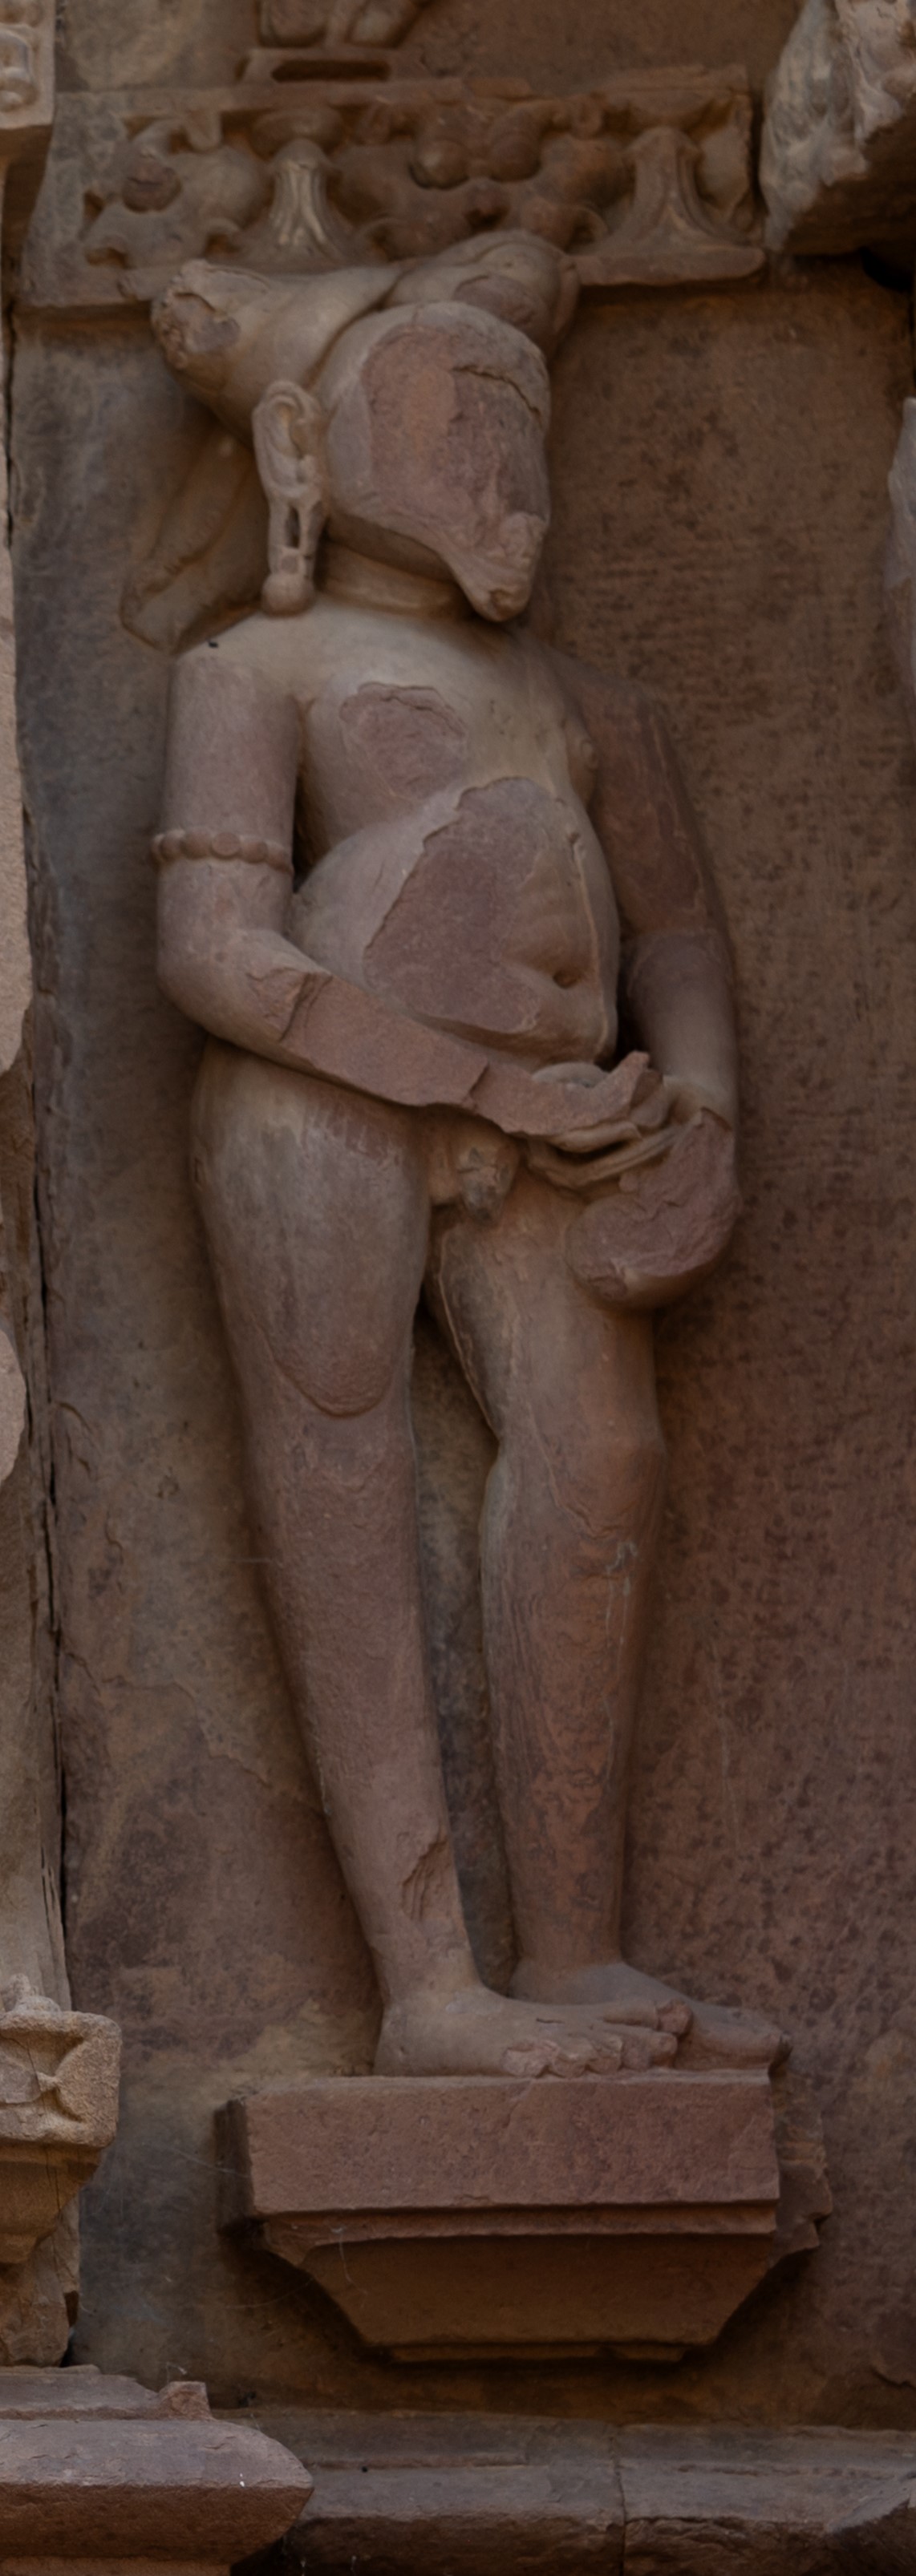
{"x": 476, "y": 2032}
{"x": 717, "y": 2035}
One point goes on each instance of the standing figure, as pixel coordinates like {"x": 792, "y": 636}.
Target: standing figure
{"x": 406, "y": 850}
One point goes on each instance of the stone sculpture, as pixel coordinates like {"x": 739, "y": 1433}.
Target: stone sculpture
{"x": 411, "y": 1079}
{"x": 837, "y": 148}
{"x": 644, "y": 180}
{"x": 342, "y": 22}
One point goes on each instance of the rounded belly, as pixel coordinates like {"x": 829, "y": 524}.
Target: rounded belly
{"x": 489, "y": 913}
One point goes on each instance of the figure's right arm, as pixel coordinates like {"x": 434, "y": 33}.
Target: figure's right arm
{"x": 225, "y": 858}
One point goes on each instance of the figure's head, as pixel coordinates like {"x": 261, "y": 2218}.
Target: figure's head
{"x": 436, "y": 420}
{"x": 407, "y": 411}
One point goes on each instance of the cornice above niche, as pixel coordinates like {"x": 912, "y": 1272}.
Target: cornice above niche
{"x": 313, "y": 158}
{"x": 337, "y": 22}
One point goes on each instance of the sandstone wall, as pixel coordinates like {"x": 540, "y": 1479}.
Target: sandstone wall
{"x": 719, "y": 468}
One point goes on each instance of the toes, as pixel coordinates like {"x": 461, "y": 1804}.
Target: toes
{"x": 564, "y": 2057}
{"x": 631, "y": 2012}
{"x": 526, "y": 2062}
{"x": 606, "y": 2058}
{"x": 595, "y": 2052}
{"x": 722, "y": 2036}
{"x": 651, "y": 2048}
{"x": 676, "y": 2017}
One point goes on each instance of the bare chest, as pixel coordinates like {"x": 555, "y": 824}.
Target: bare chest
{"x": 404, "y": 718}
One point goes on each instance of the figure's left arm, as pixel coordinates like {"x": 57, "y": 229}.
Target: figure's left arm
{"x": 677, "y": 969}
{"x": 678, "y": 987}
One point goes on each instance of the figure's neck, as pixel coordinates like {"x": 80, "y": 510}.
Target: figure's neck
{"x": 369, "y": 583}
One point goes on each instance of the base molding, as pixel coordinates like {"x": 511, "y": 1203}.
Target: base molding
{"x": 401, "y": 2494}
{"x": 104, "y": 2478}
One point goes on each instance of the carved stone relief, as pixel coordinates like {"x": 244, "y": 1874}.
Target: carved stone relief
{"x": 58, "y": 2110}
{"x": 460, "y": 975}
{"x": 411, "y": 1083}
{"x": 26, "y": 52}
{"x": 115, "y": 2479}
{"x": 645, "y": 182}
{"x": 337, "y": 22}
{"x": 272, "y": 177}
{"x": 838, "y": 153}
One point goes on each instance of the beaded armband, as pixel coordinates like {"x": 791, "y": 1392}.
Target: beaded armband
{"x": 219, "y": 845}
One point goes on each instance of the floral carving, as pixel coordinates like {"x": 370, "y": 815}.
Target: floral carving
{"x": 337, "y": 22}
{"x": 644, "y": 181}
{"x": 18, "y": 70}
{"x": 58, "y": 2110}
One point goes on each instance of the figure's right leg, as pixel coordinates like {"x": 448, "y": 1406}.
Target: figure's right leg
{"x": 316, "y": 1209}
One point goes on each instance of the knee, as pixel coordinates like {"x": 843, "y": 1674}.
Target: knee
{"x": 605, "y": 1478}
{"x": 617, "y": 1479}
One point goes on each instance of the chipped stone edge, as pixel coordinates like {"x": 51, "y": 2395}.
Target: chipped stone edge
{"x": 846, "y": 78}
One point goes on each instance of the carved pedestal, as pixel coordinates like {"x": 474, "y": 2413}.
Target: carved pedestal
{"x": 462, "y": 2218}
{"x": 103, "y": 2475}
{"x": 58, "y": 2112}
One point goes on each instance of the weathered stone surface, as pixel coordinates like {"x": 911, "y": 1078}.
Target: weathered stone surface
{"x": 412, "y": 2144}
{"x": 39, "y": 2299}
{"x": 196, "y": 42}
{"x": 761, "y": 456}
{"x": 30, "y": 1943}
{"x": 397, "y": 2491}
{"x": 805, "y": 2197}
{"x": 764, "y": 2502}
{"x": 182, "y": 1717}
{"x": 403, "y": 2492}
{"x": 900, "y": 562}
{"x": 410, "y": 966}
{"x": 462, "y": 2216}
{"x": 838, "y": 152}
{"x": 337, "y": 22}
{"x": 105, "y": 2471}
{"x": 84, "y": 2390}
{"x": 196, "y": 1688}
{"x": 786, "y": 1272}
{"x": 58, "y": 2110}
{"x": 58, "y": 2072}
{"x": 27, "y": 32}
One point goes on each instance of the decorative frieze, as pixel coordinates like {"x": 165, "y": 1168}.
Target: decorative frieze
{"x": 645, "y": 181}
{"x": 337, "y": 22}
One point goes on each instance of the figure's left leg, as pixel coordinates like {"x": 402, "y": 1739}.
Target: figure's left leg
{"x": 567, "y": 1545}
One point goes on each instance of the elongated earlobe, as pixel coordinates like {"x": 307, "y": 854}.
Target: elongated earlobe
{"x": 289, "y": 446}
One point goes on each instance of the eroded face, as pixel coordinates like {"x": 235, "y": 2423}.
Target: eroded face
{"x": 436, "y": 437}
{"x": 196, "y": 339}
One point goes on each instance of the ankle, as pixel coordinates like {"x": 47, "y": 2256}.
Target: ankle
{"x": 536, "y": 1972}
{"x": 432, "y": 1989}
